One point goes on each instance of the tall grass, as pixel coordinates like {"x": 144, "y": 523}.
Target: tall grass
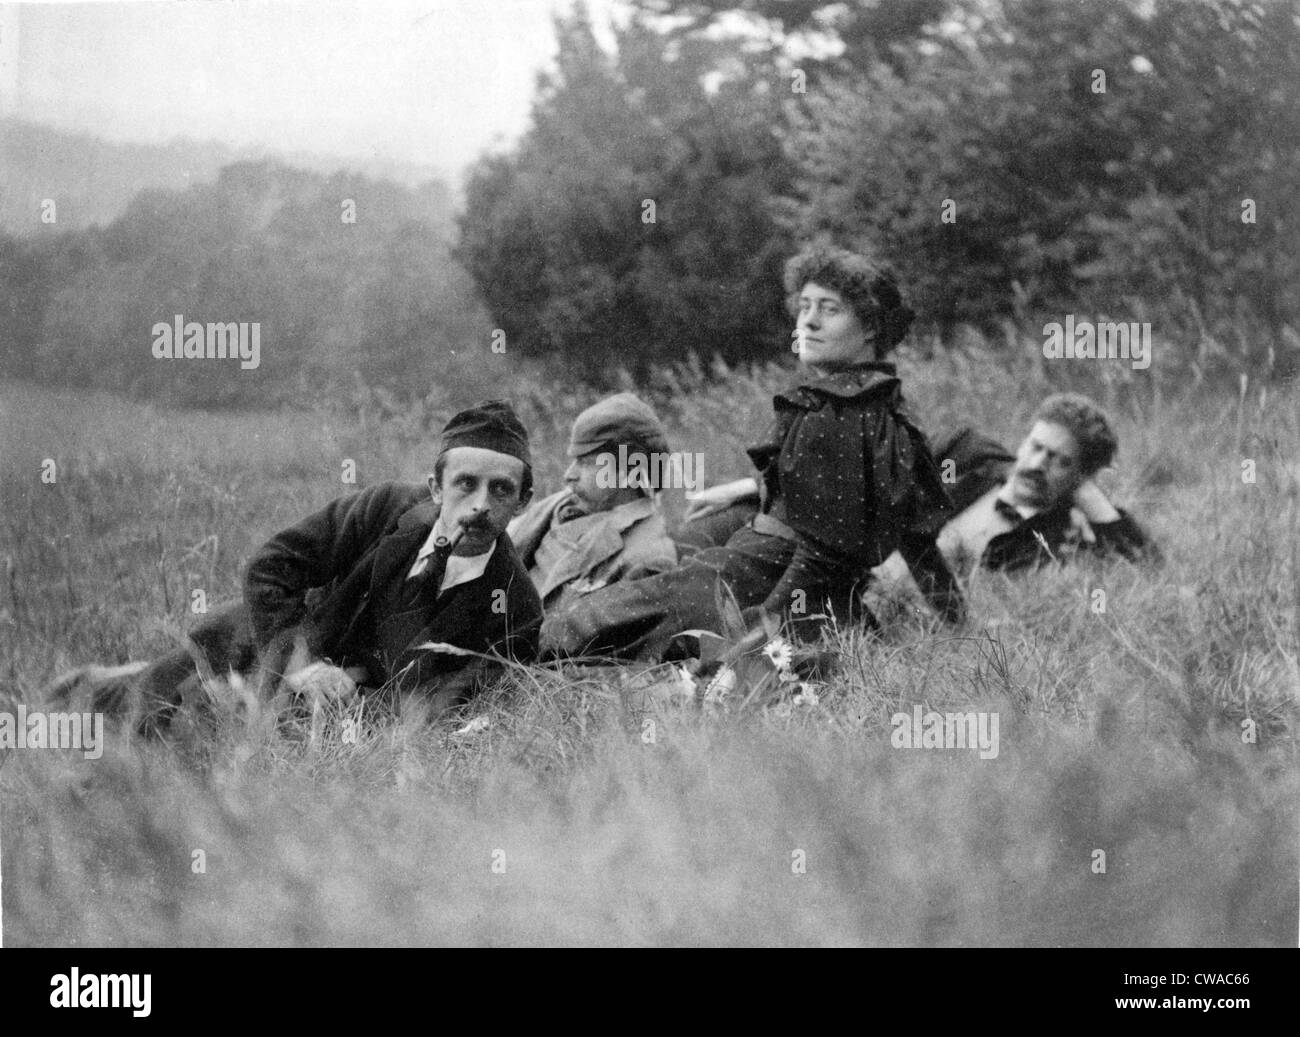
{"x": 614, "y": 807}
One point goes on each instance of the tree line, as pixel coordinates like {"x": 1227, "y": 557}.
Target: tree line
{"x": 1121, "y": 160}
{"x": 1133, "y": 160}
{"x": 350, "y": 279}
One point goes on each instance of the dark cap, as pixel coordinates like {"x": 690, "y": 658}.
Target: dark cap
{"x": 623, "y": 418}
{"x": 490, "y": 425}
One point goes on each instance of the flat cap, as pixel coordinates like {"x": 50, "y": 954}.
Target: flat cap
{"x": 623, "y": 418}
{"x": 490, "y": 425}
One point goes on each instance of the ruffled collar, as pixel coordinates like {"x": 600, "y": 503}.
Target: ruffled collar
{"x": 848, "y": 383}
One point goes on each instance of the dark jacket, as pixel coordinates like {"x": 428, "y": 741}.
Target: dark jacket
{"x": 354, "y": 555}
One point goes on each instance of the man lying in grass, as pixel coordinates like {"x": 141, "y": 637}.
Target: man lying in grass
{"x": 847, "y": 479}
{"x": 1042, "y": 504}
{"x": 604, "y": 526}
{"x": 399, "y": 587}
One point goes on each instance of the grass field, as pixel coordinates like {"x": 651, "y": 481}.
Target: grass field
{"x": 604, "y": 806}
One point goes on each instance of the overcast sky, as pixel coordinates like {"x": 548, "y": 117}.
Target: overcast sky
{"x": 427, "y": 81}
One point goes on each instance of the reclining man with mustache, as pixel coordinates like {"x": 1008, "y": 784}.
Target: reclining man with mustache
{"x": 358, "y": 589}
{"x": 603, "y": 527}
{"x": 1042, "y": 504}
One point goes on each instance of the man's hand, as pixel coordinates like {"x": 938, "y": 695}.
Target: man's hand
{"x": 288, "y": 662}
{"x": 322, "y": 682}
{"x": 1080, "y": 528}
{"x": 718, "y": 498}
{"x": 1094, "y": 504}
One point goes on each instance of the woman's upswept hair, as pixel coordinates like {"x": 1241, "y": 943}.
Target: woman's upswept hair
{"x": 868, "y": 286}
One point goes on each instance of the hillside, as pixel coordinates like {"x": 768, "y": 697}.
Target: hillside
{"x": 93, "y": 180}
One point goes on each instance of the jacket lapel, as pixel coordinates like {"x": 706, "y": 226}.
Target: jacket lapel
{"x": 461, "y": 605}
{"x": 601, "y": 542}
{"x": 596, "y": 546}
{"x": 527, "y": 530}
{"x": 396, "y": 550}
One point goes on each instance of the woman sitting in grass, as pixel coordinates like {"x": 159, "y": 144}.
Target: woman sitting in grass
{"x": 846, "y": 478}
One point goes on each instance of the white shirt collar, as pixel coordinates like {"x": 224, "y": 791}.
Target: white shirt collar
{"x": 1004, "y": 494}
{"x": 460, "y": 568}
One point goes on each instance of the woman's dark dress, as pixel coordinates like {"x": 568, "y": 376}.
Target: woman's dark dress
{"x": 846, "y": 480}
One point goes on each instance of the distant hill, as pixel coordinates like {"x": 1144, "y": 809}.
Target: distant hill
{"x": 92, "y": 180}
{"x": 330, "y": 279}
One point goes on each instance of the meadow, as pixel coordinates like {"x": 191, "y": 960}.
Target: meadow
{"x": 612, "y": 805}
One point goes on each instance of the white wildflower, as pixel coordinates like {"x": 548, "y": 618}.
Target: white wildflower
{"x": 780, "y": 653}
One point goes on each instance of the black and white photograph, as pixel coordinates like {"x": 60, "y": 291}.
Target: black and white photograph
{"x": 651, "y": 474}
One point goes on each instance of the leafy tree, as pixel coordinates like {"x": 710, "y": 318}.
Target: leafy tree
{"x": 1120, "y": 193}
{"x": 560, "y": 238}
{"x": 866, "y": 31}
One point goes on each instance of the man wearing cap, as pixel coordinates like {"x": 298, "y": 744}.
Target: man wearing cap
{"x": 401, "y": 587}
{"x": 604, "y": 526}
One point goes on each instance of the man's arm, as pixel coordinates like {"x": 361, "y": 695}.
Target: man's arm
{"x": 310, "y": 554}
{"x": 702, "y": 503}
{"x": 1113, "y": 528}
{"x": 1126, "y": 538}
